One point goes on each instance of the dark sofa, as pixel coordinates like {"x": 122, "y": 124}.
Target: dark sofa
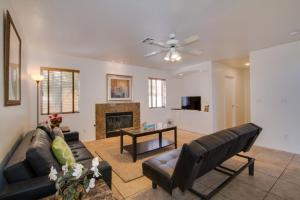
{"x": 27, "y": 170}
{"x": 181, "y": 167}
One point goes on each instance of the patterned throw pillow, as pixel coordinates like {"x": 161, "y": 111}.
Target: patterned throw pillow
{"x": 62, "y": 151}
{"x": 46, "y": 129}
{"x": 57, "y": 132}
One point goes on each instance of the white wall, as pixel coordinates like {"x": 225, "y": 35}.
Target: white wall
{"x": 93, "y": 88}
{"x": 13, "y": 120}
{"x": 219, "y": 72}
{"x": 196, "y": 81}
{"x": 275, "y": 96}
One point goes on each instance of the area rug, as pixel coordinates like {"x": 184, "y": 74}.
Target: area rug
{"x": 123, "y": 165}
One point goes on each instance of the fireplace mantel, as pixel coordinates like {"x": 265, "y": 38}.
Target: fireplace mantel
{"x": 103, "y": 108}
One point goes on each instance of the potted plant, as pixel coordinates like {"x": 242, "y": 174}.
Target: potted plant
{"x": 55, "y": 120}
{"x": 75, "y": 180}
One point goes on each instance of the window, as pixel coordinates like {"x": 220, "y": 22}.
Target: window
{"x": 59, "y": 91}
{"x": 157, "y": 93}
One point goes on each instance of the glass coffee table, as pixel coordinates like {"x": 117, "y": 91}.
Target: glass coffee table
{"x": 136, "y": 148}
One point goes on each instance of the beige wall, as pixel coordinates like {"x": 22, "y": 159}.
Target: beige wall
{"x": 93, "y": 88}
{"x": 196, "y": 81}
{"x": 241, "y": 90}
{"x": 275, "y": 96}
{"x": 13, "y": 120}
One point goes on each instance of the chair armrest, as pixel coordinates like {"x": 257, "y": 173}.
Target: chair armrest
{"x": 71, "y": 136}
{"x": 30, "y": 189}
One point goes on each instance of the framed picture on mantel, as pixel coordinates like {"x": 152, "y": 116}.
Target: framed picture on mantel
{"x": 12, "y": 63}
{"x": 119, "y": 87}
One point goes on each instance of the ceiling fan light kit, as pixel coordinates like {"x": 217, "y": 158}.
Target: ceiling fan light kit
{"x": 172, "y": 55}
{"x": 173, "y": 47}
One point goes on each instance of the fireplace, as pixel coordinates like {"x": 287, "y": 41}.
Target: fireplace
{"x": 105, "y": 108}
{"x": 117, "y": 120}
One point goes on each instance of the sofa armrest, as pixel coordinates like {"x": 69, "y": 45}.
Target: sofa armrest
{"x": 71, "y": 136}
{"x": 106, "y": 172}
{"x": 30, "y": 189}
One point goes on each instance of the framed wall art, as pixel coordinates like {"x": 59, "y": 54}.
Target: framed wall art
{"x": 119, "y": 87}
{"x": 12, "y": 63}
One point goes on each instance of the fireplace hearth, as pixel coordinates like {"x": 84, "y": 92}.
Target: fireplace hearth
{"x": 117, "y": 120}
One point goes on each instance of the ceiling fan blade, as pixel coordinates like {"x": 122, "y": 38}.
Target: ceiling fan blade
{"x": 190, "y": 40}
{"x": 159, "y": 44}
{"x": 154, "y": 43}
{"x": 153, "y": 53}
{"x": 191, "y": 52}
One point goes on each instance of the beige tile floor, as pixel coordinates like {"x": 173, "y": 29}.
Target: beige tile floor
{"x": 277, "y": 177}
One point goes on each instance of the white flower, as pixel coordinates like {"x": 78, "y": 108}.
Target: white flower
{"x": 91, "y": 184}
{"x": 77, "y": 170}
{"x": 53, "y": 174}
{"x": 96, "y": 172}
{"x": 65, "y": 168}
{"x": 95, "y": 162}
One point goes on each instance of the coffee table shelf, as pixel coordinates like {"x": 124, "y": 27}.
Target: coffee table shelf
{"x": 147, "y": 146}
{"x": 137, "y": 148}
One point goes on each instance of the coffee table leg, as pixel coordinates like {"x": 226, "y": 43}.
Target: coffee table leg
{"x": 160, "y": 138}
{"x": 121, "y": 142}
{"x": 134, "y": 153}
{"x": 175, "y": 137}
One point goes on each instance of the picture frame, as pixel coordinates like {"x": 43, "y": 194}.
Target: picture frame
{"x": 12, "y": 63}
{"x": 119, "y": 87}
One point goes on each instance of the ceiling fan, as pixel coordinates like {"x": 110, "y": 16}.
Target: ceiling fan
{"x": 173, "y": 47}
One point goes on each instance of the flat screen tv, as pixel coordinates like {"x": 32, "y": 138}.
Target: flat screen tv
{"x": 191, "y": 103}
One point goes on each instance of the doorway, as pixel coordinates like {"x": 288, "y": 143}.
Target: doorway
{"x": 230, "y": 106}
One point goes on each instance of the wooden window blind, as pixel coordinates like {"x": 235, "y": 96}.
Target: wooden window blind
{"x": 59, "y": 91}
{"x": 157, "y": 92}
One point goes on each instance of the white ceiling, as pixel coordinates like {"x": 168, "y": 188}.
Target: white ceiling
{"x": 112, "y": 30}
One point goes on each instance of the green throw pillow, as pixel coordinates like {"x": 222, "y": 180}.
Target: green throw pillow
{"x": 62, "y": 151}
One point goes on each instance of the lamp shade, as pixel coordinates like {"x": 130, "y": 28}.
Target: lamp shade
{"x": 37, "y": 77}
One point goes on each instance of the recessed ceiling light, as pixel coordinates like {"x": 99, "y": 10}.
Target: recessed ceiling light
{"x": 247, "y": 64}
{"x": 180, "y": 74}
{"x": 293, "y": 33}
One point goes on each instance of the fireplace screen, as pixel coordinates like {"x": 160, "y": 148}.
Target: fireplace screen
{"x": 116, "y": 121}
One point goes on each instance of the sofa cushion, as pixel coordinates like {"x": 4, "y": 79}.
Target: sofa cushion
{"x": 81, "y": 154}
{"x": 161, "y": 168}
{"x": 189, "y": 162}
{"x": 62, "y": 151}
{"x": 39, "y": 154}
{"x": 247, "y": 134}
{"x": 57, "y": 132}
{"x": 47, "y": 130}
{"x": 218, "y": 146}
{"x": 71, "y": 136}
{"x": 17, "y": 167}
{"x": 76, "y": 145}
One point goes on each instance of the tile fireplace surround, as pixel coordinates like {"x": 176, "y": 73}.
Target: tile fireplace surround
{"x": 103, "y": 108}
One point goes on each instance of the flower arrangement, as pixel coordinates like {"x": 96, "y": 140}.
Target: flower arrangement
{"x": 55, "y": 120}
{"x": 75, "y": 180}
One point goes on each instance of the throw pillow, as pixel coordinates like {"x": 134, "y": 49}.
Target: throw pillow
{"x": 62, "y": 151}
{"x": 39, "y": 154}
{"x": 57, "y": 132}
{"x": 46, "y": 129}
